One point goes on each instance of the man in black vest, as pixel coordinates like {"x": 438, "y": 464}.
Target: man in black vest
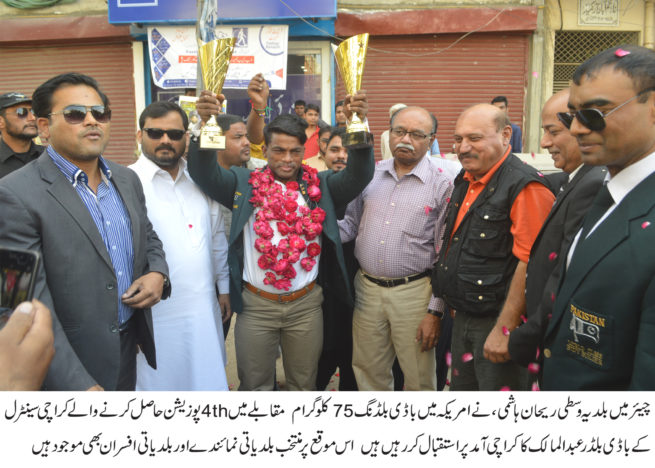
{"x": 496, "y": 210}
{"x": 564, "y": 220}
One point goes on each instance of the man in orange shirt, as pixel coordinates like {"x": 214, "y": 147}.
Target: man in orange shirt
{"x": 495, "y": 213}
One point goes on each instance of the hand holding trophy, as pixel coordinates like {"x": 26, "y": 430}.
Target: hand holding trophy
{"x": 351, "y": 56}
{"x": 214, "y": 57}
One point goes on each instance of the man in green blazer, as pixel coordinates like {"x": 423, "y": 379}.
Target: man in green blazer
{"x": 282, "y": 217}
{"x": 600, "y": 336}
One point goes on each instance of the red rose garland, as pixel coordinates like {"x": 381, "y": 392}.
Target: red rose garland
{"x": 295, "y": 229}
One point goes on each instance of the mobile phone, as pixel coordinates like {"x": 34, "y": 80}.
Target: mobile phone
{"x": 18, "y": 268}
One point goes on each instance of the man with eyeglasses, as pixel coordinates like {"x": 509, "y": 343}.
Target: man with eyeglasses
{"x": 600, "y": 336}
{"x": 188, "y": 331}
{"x": 564, "y": 220}
{"x": 397, "y": 222}
{"x": 103, "y": 264}
{"x": 497, "y": 208}
{"x": 17, "y": 129}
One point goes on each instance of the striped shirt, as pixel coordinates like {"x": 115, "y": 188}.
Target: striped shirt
{"x": 111, "y": 218}
{"x": 399, "y": 222}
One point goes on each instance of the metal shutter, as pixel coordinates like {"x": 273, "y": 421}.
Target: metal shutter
{"x": 474, "y": 70}
{"x": 25, "y": 68}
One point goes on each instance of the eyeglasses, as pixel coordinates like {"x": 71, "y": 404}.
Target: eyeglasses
{"x": 23, "y": 112}
{"x": 76, "y": 114}
{"x": 157, "y": 133}
{"x": 416, "y": 136}
{"x": 593, "y": 119}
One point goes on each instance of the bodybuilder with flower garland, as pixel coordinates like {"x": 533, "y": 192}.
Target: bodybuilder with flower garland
{"x": 281, "y": 216}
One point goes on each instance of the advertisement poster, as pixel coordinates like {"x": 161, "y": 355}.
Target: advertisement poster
{"x": 258, "y": 49}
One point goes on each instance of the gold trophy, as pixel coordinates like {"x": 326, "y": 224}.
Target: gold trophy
{"x": 214, "y": 57}
{"x": 351, "y": 55}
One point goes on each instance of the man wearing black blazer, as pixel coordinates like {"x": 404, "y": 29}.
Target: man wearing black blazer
{"x": 601, "y": 333}
{"x": 564, "y": 220}
{"x": 103, "y": 266}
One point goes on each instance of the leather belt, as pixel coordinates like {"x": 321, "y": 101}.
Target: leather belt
{"x": 281, "y": 298}
{"x": 390, "y": 283}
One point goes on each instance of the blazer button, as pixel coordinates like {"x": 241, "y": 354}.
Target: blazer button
{"x": 480, "y": 298}
{"x": 547, "y": 352}
{"x": 455, "y": 239}
{"x": 110, "y": 286}
{"x": 483, "y": 235}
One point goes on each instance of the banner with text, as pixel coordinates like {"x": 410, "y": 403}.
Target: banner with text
{"x": 258, "y": 49}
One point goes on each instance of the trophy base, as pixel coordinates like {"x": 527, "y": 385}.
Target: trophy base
{"x": 211, "y": 137}
{"x": 357, "y": 140}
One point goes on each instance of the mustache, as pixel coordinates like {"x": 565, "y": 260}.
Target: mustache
{"x": 406, "y": 146}
{"x": 164, "y": 146}
{"x": 340, "y": 161}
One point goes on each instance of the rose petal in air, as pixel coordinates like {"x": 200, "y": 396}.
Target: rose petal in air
{"x": 645, "y": 224}
{"x": 538, "y": 353}
{"x": 552, "y": 297}
{"x": 427, "y": 209}
{"x": 449, "y": 359}
{"x": 540, "y": 174}
{"x": 533, "y": 368}
{"x": 524, "y": 319}
{"x": 621, "y": 52}
{"x": 466, "y": 357}
{"x": 505, "y": 331}
{"x": 505, "y": 389}
{"x": 552, "y": 256}
{"x": 455, "y": 372}
{"x": 533, "y": 156}
{"x": 535, "y": 387}
{"x": 442, "y": 155}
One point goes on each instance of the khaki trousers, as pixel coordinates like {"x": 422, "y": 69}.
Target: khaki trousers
{"x": 263, "y": 325}
{"x": 385, "y": 322}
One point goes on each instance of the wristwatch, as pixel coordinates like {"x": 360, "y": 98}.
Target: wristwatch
{"x": 436, "y": 313}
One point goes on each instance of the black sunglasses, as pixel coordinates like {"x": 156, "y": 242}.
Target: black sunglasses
{"x": 593, "y": 119}
{"x": 157, "y": 133}
{"x": 23, "y": 112}
{"x": 76, "y": 114}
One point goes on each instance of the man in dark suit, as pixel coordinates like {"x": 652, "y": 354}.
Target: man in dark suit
{"x": 273, "y": 244}
{"x": 601, "y": 333}
{"x": 103, "y": 265}
{"x": 563, "y": 222}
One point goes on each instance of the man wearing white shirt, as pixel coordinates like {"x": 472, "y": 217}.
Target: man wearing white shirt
{"x": 188, "y": 330}
{"x": 600, "y": 336}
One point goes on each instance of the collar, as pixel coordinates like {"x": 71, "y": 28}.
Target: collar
{"x": 421, "y": 170}
{"x": 484, "y": 180}
{"x": 151, "y": 170}
{"x": 6, "y": 152}
{"x": 623, "y": 182}
{"x": 575, "y": 171}
{"x": 73, "y": 173}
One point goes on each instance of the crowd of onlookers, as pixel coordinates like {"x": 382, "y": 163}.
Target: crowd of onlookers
{"x": 417, "y": 272}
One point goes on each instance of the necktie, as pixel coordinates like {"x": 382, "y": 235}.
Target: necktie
{"x": 601, "y": 204}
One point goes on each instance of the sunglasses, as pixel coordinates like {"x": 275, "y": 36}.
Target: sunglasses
{"x": 76, "y": 114}
{"x": 593, "y": 119}
{"x": 157, "y": 133}
{"x": 23, "y": 112}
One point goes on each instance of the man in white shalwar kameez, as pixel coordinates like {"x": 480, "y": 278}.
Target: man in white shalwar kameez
{"x": 188, "y": 326}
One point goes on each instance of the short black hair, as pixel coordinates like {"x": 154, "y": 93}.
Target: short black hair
{"x": 42, "y": 97}
{"x": 339, "y": 103}
{"x": 299, "y": 102}
{"x": 324, "y": 129}
{"x": 500, "y": 99}
{"x": 225, "y": 121}
{"x": 288, "y": 124}
{"x": 160, "y": 109}
{"x": 638, "y": 64}
{"x": 313, "y": 107}
{"x": 336, "y": 132}
{"x": 432, "y": 117}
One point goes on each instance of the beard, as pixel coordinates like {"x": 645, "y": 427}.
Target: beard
{"x": 169, "y": 160}
{"x": 25, "y": 134}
